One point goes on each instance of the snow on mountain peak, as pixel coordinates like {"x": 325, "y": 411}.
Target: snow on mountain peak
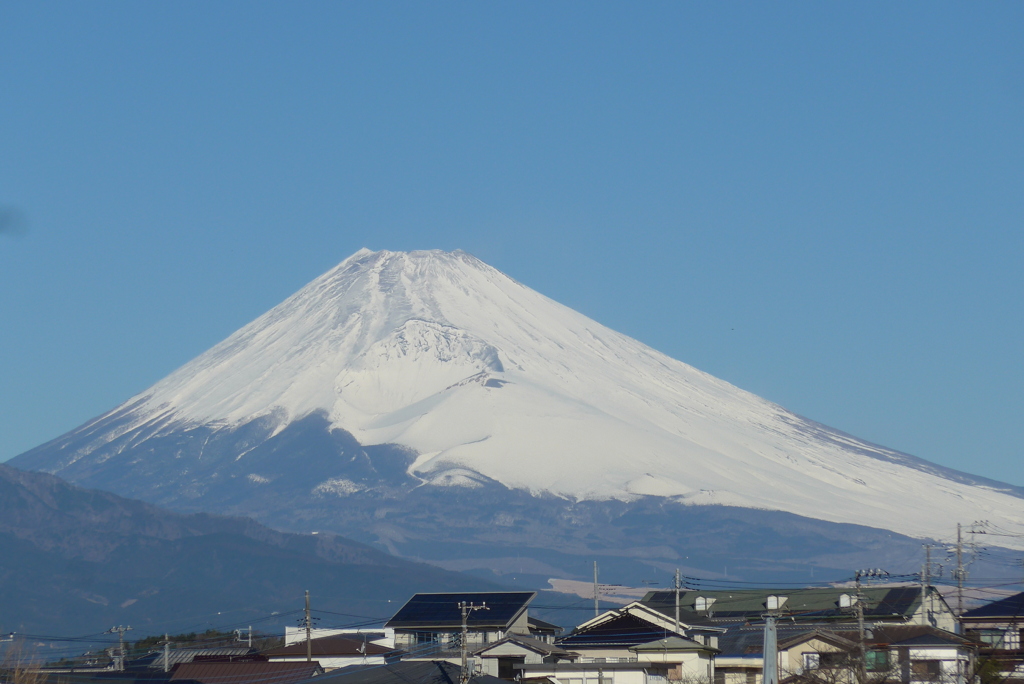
{"x": 442, "y": 353}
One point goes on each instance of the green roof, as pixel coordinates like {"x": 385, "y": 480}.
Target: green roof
{"x": 813, "y": 604}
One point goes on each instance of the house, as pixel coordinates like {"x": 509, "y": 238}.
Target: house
{"x": 998, "y": 627}
{"x": 541, "y": 630}
{"x": 889, "y": 604}
{"x": 634, "y": 644}
{"x": 800, "y": 647}
{"x": 403, "y": 672}
{"x": 500, "y": 658}
{"x": 429, "y": 626}
{"x": 830, "y": 654}
{"x": 373, "y": 635}
{"x": 333, "y": 652}
{"x": 159, "y": 660}
{"x": 244, "y": 673}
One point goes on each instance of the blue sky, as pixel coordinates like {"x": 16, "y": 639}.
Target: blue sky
{"x": 818, "y": 202}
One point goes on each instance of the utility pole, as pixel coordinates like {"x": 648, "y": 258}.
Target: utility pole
{"x": 309, "y": 641}
{"x": 167, "y": 653}
{"x": 597, "y": 610}
{"x": 859, "y": 607}
{"x": 961, "y": 574}
{"x": 119, "y": 660}
{"x": 676, "y": 585}
{"x": 926, "y": 580}
{"x": 770, "y": 649}
{"x": 861, "y": 653}
{"x": 467, "y": 609}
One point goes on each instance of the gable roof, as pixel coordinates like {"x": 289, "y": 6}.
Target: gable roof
{"x": 748, "y": 640}
{"x": 1011, "y": 607}
{"x": 623, "y": 630}
{"x": 331, "y": 646}
{"x": 246, "y": 673}
{"x": 402, "y": 672}
{"x": 529, "y": 643}
{"x": 672, "y": 643}
{"x": 810, "y": 604}
{"x": 154, "y": 660}
{"x": 539, "y": 625}
{"x": 441, "y": 611}
{"x": 915, "y": 635}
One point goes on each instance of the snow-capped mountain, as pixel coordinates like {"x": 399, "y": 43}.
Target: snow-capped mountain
{"x": 484, "y": 382}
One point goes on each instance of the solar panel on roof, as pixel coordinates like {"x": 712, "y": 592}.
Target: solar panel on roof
{"x": 442, "y": 610}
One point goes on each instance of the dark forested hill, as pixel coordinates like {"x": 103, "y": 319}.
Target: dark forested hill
{"x": 75, "y": 561}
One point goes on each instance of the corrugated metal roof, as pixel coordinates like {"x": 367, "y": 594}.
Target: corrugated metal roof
{"x": 155, "y": 659}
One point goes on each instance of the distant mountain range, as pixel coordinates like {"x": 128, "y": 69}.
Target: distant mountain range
{"x": 75, "y": 561}
{"x": 428, "y": 404}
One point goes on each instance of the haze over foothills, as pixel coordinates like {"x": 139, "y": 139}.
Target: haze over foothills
{"x": 820, "y": 205}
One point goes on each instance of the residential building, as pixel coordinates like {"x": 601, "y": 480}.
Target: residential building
{"x": 403, "y": 672}
{"x": 244, "y": 673}
{"x": 500, "y": 658}
{"x": 998, "y": 627}
{"x": 333, "y": 652}
{"x": 634, "y": 644}
{"x": 429, "y": 626}
{"x": 830, "y": 653}
{"x": 882, "y": 604}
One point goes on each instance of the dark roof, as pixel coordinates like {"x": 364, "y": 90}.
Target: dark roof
{"x": 86, "y": 676}
{"x": 336, "y": 646}
{"x": 535, "y": 645}
{"x": 625, "y": 630}
{"x": 748, "y": 640}
{"x": 155, "y": 659}
{"x": 246, "y": 673}
{"x": 440, "y": 611}
{"x": 403, "y": 672}
{"x": 672, "y": 643}
{"x": 1011, "y": 607}
{"x": 809, "y": 604}
{"x": 914, "y": 635}
{"x": 542, "y": 626}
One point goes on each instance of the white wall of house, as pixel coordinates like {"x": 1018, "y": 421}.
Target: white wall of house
{"x": 489, "y": 659}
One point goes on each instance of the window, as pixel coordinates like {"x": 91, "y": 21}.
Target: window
{"x": 833, "y": 660}
{"x": 811, "y": 661}
{"x": 925, "y": 669}
{"x": 877, "y": 661}
{"x": 992, "y": 638}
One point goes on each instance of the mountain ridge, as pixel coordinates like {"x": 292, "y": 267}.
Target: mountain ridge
{"x": 434, "y": 369}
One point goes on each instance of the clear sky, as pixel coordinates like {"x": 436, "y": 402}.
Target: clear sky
{"x": 818, "y": 202}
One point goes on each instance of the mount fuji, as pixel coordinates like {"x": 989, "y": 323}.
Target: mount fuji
{"x": 427, "y": 401}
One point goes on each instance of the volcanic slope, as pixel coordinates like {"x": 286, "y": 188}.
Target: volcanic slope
{"x": 432, "y": 368}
